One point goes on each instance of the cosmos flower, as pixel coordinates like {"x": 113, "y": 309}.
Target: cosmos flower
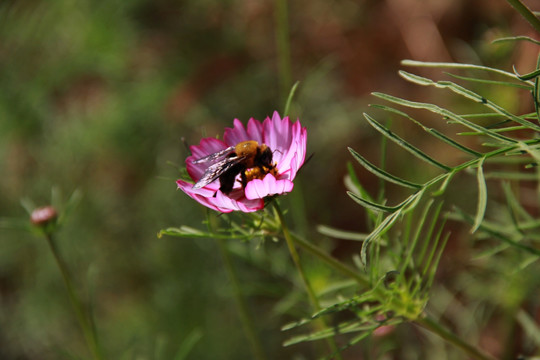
{"x": 287, "y": 143}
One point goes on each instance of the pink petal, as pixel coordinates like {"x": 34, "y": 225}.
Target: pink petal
{"x": 258, "y": 189}
{"x": 294, "y": 157}
{"x": 277, "y": 135}
{"x": 235, "y": 134}
{"x": 206, "y": 147}
{"x": 220, "y": 202}
{"x": 255, "y": 130}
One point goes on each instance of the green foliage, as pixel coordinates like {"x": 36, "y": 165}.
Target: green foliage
{"x": 510, "y": 157}
{"x": 392, "y": 297}
{"x": 505, "y": 145}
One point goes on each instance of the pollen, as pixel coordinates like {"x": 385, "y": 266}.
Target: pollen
{"x": 259, "y": 172}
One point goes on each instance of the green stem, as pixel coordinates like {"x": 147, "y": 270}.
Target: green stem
{"x": 86, "y": 327}
{"x": 526, "y": 13}
{"x": 431, "y": 325}
{"x": 245, "y": 318}
{"x": 247, "y": 323}
{"x": 296, "y": 259}
{"x": 283, "y": 47}
{"x": 333, "y": 262}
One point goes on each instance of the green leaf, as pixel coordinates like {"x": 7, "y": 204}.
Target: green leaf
{"x": 405, "y": 145}
{"x": 289, "y": 98}
{"x": 431, "y": 131}
{"x": 371, "y": 205}
{"x": 526, "y": 13}
{"x": 184, "y": 231}
{"x": 530, "y": 326}
{"x": 458, "y": 66}
{"x": 380, "y": 230}
{"x": 342, "y": 328}
{"x": 496, "y": 234}
{"x": 352, "y": 183}
{"x": 381, "y": 173}
{"x": 490, "y": 82}
{"x": 447, "y": 114}
{"x": 529, "y": 76}
{"x": 508, "y": 175}
{"x": 187, "y": 344}
{"x": 341, "y": 234}
{"x": 482, "y": 196}
{"x": 355, "y": 340}
{"x": 516, "y": 38}
{"x": 469, "y": 95}
{"x": 514, "y": 206}
{"x": 448, "y": 177}
{"x": 499, "y": 130}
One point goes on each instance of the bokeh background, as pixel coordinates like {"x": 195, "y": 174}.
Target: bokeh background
{"x": 102, "y": 96}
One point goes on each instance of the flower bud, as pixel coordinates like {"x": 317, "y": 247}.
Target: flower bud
{"x": 43, "y": 216}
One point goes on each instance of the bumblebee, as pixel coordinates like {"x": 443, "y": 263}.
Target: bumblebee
{"x": 247, "y": 158}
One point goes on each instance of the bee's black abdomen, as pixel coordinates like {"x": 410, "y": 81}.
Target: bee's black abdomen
{"x": 227, "y": 179}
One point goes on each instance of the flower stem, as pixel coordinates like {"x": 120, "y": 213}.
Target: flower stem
{"x": 431, "y": 325}
{"x": 330, "y": 260}
{"x": 245, "y": 317}
{"x": 296, "y": 259}
{"x": 88, "y": 330}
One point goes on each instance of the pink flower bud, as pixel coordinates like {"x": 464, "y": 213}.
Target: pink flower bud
{"x": 43, "y": 216}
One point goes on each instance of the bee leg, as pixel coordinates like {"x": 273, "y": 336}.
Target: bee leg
{"x": 243, "y": 179}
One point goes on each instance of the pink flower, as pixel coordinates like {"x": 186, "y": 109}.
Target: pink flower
{"x": 287, "y": 143}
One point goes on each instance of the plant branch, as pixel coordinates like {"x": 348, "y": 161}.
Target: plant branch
{"x": 344, "y": 269}
{"x": 245, "y": 317}
{"x": 427, "y": 323}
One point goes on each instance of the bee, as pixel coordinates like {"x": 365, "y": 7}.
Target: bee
{"x": 247, "y": 158}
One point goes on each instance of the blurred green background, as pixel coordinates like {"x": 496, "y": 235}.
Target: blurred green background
{"x": 96, "y": 96}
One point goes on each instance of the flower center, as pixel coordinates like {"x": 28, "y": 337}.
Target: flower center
{"x": 259, "y": 172}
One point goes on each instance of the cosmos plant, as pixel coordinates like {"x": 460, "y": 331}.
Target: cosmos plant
{"x": 251, "y": 183}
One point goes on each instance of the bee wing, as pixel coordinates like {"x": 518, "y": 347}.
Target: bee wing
{"x": 214, "y": 171}
{"x": 215, "y": 156}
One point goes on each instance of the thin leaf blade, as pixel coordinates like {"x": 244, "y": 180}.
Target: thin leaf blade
{"x": 381, "y": 173}
{"x": 482, "y": 196}
{"x": 404, "y": 144}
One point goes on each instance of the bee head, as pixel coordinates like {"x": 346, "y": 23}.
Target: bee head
{"x": 265, "y": 155}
